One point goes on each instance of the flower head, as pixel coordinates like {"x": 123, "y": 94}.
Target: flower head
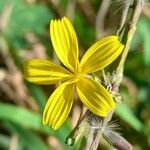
{"x": 75, "y": 75}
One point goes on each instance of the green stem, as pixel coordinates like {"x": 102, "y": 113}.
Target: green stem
{"x": 120, "y": 67}
{"x": 132, "y": 28}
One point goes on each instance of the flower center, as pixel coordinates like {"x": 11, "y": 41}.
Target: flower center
{"x": 79, "y": 76}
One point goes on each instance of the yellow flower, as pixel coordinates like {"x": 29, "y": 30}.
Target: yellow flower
{"x": 75, "y": 75}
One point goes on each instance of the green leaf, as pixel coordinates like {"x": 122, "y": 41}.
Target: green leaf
{"x": 30, "y": 120}
{"x": 20, "y": 116}
{"x": 38, "y": 93}
{"x": 25, "y": 18}
{"x": 2, "y": 4}
{"x": 125, "y": 113}
{"x": 30, "y": 139}
{"x": 143, "y": 29}
{"x": 29, "y": 18}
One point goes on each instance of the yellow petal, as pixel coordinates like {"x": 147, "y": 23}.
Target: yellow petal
{"x": 65, "y": 43}
{"x": 58, "y": 106}
{"x": 101, "y": 54}
{"x": 95, "y": 97}
{"x": 44, "y": 72}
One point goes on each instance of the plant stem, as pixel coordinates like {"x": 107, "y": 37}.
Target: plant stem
{"x": 131, "y": 27}
{"x": 128, "y": 28}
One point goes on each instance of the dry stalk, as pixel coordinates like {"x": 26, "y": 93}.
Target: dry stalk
{"x": 70, "y": 10}
{"x": 13, "y": 84}
{"x": 100, "y": 18}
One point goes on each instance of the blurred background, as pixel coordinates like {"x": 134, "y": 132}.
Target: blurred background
{"x": 24, "y": 34}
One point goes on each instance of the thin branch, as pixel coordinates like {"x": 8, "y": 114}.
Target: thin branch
{"x": 125, "y": 9}
{"x": 56, "y": 9}
{"x": 100, "y": 18}
{"x": 70, "y": 10}
{"x": 131, "y": 28}
{"x": 86, "y": 9}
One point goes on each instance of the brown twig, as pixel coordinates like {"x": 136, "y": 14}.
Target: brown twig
{"x": 70, "y": 10}
{"x": 13, "y": 85}
{"x": 52, "y": 4}
{"x": 86, "y": 9}
{"x": 100, "y": 18}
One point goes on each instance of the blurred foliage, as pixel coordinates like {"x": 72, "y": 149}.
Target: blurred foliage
{"x": 24, "y": 27}
{"x": 24, "y": 18}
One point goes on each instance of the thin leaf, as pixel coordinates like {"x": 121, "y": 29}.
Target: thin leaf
{"x": 144, "y": 32}
{"x": 38, "y": 93}
{"x": 31, "y": 120}
{"x": 31, "y": 140}
{"x": 125, "y": 113}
